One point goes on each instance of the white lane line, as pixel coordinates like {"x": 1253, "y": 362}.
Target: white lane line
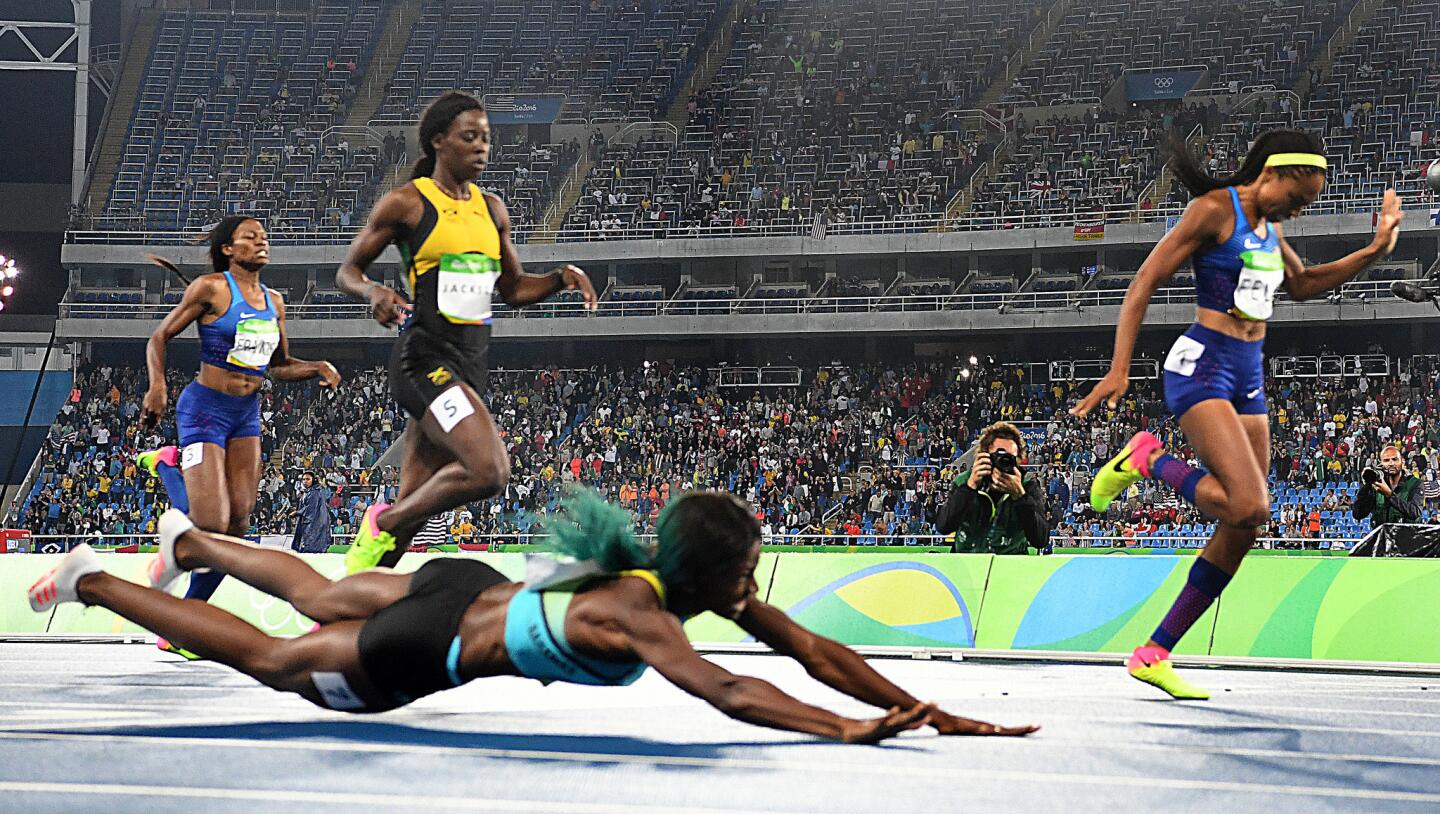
{"x": 1194, "y": 723}
{"x": 385, "y": 801}
{"x": 1045, "y": 742}
{"x": 880, "y": 769}
{"x": 1039, "y": 716}
{"x": 1069, "y": 744}
{"x": 128, "y": 686}
{"x": 1199, "y": 707}
{"x": 171, "y": 721}
{"x": 97, "y": 706}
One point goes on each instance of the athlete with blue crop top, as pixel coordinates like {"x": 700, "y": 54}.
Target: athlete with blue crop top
{"x": 213, "y": 474}
{"x": 1214, "y": 374}
{"x": 614, "y": 609}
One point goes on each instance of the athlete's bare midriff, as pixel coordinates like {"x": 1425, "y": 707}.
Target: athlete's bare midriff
{"x": 229, "y": 382}
{"x": 1246, "y": 330}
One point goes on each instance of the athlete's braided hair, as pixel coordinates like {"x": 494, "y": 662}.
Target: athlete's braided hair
{"x": 1199, "y": 182}
{"x": 699, "y": 535}
{"x": 436, "y": 120}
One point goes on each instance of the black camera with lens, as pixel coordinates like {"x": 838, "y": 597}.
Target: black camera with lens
{"x": 1003, "y": 461}
{"x": 1370, "y": 475}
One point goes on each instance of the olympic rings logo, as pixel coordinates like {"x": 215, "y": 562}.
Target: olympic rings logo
{"x": 1164, "y": 81}
{"x": 275, "y": 616}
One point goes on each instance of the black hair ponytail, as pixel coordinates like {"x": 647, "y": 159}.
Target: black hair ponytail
{"x": 1187, "y": 169}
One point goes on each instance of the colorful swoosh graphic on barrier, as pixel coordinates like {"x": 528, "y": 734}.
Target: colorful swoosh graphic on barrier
{"x": 861, "y": 607}
{"x": 1088, "y": 599}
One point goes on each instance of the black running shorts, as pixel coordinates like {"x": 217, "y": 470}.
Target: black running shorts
{"x": 424, "y": 367}
{"x": 403, "y": 648}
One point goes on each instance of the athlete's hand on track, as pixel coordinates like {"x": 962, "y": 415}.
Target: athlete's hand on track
{"x": 329, "y": 376}
{"x": 1387, "y": 224}
{"x": 1108, "y": 390}
{"x": 577, "y": 280}
{"x": 875, "y": 730}
{"x": 387, "y": 306}
{"x": 153, "y": 407}
{"x": 947, "y": 724}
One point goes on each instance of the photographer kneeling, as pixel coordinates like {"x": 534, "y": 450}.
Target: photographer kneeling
{"x": 994, "y": 508}
{"x": 1389, "y": 494}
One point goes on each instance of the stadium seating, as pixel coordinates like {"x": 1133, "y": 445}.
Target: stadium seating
{"x": 1240, "y": 44}
{"x": 614, "y": 61}
{"x": 234, "y": 116}
{"x": 819, "y": 115}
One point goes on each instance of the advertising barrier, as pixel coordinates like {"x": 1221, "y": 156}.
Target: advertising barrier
{"x": 1278, "y": 607}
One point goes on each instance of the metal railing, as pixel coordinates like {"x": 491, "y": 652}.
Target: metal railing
{"x": 1004, "y": 303}
{"x": 118, "y": 233}
{"x": 1098, "y": 542}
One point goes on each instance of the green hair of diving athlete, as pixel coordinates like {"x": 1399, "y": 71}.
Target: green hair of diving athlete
{"x": 698, "y": 535}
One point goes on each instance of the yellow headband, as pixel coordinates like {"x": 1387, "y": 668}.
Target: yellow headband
{"x": 1297, "y": 160}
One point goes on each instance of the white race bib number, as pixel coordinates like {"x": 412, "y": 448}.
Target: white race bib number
{"x": 255, "y": 342}
{"x": 451, "y": 407}
{"x": 336, "y": 691}
{"x": 1184, "y": 354}
{"x": 1260, "y": 278}
{"x": 192, "y": 455}
{"x": 465, "y": 285}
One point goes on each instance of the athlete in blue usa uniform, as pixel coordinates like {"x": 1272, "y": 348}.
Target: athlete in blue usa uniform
{"x": 1214, "y": 373}
{"x": 213, "y": 475}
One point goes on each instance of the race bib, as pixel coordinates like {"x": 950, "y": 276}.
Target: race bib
{"x": 255, "y": 342}
{"x": 465, "y": 284}
{"x": 336, "y": 691}
{"x": 451, "y": 407}
{"x": 1260, "y": 278}
{"x": 1184, "y": 354}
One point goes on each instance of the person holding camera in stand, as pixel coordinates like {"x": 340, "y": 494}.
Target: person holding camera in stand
{"x": 1388, "y": 494}
{"x": 994, "y": 508}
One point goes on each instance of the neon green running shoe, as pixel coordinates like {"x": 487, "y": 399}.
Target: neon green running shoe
{"x": 1152, "y": 666}
{"x": 370, "y": 544}
{"x": 1122, "y": 471}
{"x": 164, "y": 644}
{"x": 153, "y": 458}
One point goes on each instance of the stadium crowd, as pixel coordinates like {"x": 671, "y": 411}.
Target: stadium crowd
{"x": 864, "y": 451}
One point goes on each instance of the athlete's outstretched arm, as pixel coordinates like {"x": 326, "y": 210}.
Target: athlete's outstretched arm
{"x": 1197, "y": 227}
{"x": 194, "y": 304}
{"x": 658, "y": 639}
{"x": 286, "y": 368}
{"x": 519, "y": 289}
{"x": 837, "y": 666}
{"x": 388, "y": 222}
{"x": 1304, "y": 283}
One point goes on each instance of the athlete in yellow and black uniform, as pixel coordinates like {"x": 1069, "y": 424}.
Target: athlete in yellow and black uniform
{"x": 452, "y": 261}
{"x": 455, "y": 242}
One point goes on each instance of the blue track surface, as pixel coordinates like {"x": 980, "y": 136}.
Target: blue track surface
{"x": 113, "y": 728}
